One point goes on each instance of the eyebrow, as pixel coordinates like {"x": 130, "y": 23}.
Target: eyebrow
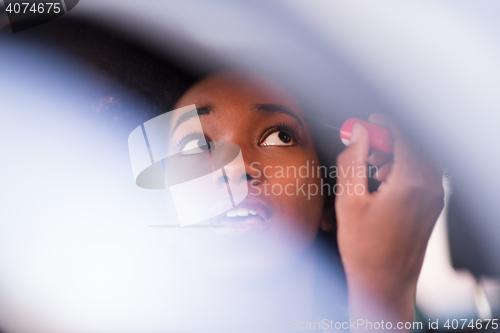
{"x": 278, "y": 108}
{"x": 201, "y": 111}
{"x": 268, "y": 108}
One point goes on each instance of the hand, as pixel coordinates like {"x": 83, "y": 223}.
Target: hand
{"x": 382, "y": 236}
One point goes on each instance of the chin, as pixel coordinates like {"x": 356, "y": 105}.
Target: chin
{"x": 239, "y": 253}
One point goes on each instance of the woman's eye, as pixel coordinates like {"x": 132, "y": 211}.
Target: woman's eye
{"x": 195, "y": 146}
{"x": 278, "y": 138}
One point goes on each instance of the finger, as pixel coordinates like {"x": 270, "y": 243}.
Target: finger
{"x": 378, "y": 158}
{"x": 351, "y": 163}
{"x": 407, "y": 158}
{"x": 383, "y": 172}
{"x": 433, "y": 166}
{"x": 433, "y": 175}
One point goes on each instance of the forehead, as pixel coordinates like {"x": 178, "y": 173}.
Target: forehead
{"x": 229, "y": 88}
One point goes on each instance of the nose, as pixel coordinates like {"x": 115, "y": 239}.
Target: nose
{"x": 246, "y": 172}
{"x": 241, "y": 175}
{"x": 236, "y": 176}
{"x": 234, "y": 173}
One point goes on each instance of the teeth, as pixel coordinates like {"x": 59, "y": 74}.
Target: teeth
{"x": 243, "y": 212}
{"x": 232, "y": 213}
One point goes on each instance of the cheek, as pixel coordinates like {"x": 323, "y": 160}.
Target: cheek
{"x": 296, "y": 193}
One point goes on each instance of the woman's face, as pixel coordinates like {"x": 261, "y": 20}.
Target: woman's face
{"x": 265, "y": 121}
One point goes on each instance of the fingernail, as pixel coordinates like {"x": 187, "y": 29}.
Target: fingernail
{"x": 356, "y": 131}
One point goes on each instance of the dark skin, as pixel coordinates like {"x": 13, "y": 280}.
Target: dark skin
{"x": 293, "y": 220}
{"x": 382, "y": 236}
